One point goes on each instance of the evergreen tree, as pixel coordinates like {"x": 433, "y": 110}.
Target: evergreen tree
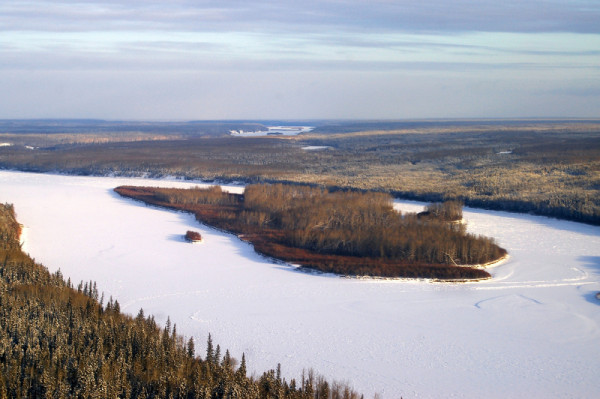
{"x": 217, "y": 358}
{"x": 241, "y": 371}
{"x": 210, "y": 354}
{"x": 168, "y": 325}
{"x": 140, "y": 316}
{"x": 227, "y": 362}
{"x": 191, "y": 350}
{"x": 323, "y": 390}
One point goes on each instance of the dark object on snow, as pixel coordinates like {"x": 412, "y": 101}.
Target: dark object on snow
{"x": 193, "y": 236}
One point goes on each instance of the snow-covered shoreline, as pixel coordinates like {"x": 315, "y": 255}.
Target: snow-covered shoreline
{"x": 533, "y": 330}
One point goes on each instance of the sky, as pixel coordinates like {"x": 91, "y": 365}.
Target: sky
{"x": 278, "y": 59}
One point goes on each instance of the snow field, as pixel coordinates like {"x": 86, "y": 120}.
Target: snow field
{"x": 531, "y": 331}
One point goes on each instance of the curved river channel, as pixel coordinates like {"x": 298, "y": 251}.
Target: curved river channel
{"x": 532, "y": 331}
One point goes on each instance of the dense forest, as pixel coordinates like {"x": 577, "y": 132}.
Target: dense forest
{"x": 344, "y": 232}
{"x": 546, "y": 167}
{"x": 58, "y": 341}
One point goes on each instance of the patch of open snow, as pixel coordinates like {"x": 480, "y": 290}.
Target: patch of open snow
{"x": 531, "y": 331}
{"x": 273, "y": 131}
{"x": 316, "y": 147}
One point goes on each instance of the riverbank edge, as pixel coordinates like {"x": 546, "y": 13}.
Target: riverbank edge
{"x": 514, "y": 206}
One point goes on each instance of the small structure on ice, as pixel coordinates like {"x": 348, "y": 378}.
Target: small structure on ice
{"x": 193, "y": 236}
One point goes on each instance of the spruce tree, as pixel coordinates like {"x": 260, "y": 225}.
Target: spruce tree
{"x": 140, "y": 316}
{"x": 227, "y": 360}
{"x": 217, "y": 358}
{"x": 241, "y": 371}
{"x": 210, "y": 354}
{"x": 191, "y": 350}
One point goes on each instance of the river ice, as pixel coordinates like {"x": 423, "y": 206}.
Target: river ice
{"x": 532, "y": 331}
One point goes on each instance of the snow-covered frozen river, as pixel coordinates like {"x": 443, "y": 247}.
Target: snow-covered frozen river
{"x": 532, "y": 331}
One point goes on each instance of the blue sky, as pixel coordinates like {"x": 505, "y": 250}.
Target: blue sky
{"x": 173, "y": 60}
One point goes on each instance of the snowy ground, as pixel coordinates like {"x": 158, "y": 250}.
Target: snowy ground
{"x": 274, "y": 130}
{"x": 532, "y": 331}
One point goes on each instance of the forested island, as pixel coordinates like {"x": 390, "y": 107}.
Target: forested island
{"x": 58, "y": 341}
{"x": 344, "y": 232}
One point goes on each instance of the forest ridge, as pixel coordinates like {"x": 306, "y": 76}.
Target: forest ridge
{"x": 58, "y": 341}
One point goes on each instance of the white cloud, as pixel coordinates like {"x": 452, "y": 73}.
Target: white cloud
{"x": 352, "y": 50}
{"x": 313, "y": 15}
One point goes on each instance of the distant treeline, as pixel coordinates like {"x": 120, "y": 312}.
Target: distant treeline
{"x": 335, "y": 127}
{"x": 86, "y": 126}
{"x": 544, "y": 167}
{"x": 344, "y": 232}
{"x": 60, "y": 342}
